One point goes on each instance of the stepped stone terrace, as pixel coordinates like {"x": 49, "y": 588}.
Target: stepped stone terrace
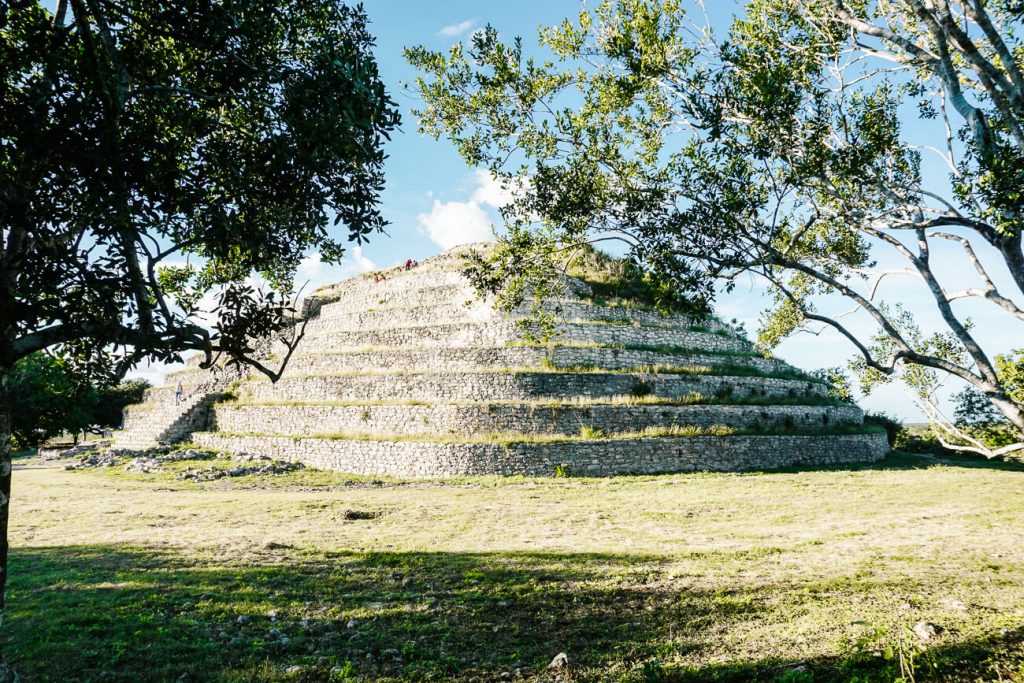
{"x": 418, "y": 376}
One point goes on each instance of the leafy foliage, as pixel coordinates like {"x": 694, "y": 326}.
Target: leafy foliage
{"x": 777, "y": 151}
{"x": 48, "y": 399}
{"x": 975, "y": 415}
{"x": 892, "y": 426}
{"x": 113, "y": 399}
{"x": 155, "y": 153}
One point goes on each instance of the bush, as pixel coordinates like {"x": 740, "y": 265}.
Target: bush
{"x": 640, "y": 389}
{"x": 920, "y": 439}
{"x": 114, "y": 399}
{"x": 977, "y": 417}
{"x": 839, "y": 386}
{"x": 47, "y": 399}
{"x": 893, "y": 427}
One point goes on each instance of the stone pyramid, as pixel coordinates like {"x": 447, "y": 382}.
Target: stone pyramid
{"x": 417, "y": 376}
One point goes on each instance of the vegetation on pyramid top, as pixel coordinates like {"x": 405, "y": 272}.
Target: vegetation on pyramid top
{"x": 619, "y": 282}
{"x": 517, "y": 270}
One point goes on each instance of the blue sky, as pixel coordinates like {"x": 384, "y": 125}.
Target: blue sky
{"x": 434, "y": 201}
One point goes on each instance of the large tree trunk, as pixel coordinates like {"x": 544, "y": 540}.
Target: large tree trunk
{"x": 6, "y": 673}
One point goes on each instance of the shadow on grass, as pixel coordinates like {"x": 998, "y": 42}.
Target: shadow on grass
{"x": 102, "y": 613}
{"x": 898, "y": 460}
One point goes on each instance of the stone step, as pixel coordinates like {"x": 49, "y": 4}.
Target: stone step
{"x": 503, "y": 332}
{"x": 389, "y": 300}
{"x": 154, "y": 423}
{"x": 439, "y": 313}
{"x": 422, "y": 286}
{"x": 515, "y": 386}
{"x": 470, "y": 419}
{"x": 575, "y": 458}
{"x": 161, "y": 403}
{"x": 415, "y": 287}
{"x": 574, "y": 309}
{"x": 476, "y": 311}
{"x": 450, "y": 359}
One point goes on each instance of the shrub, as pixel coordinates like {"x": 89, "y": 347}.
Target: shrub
{"x": 919, "y": 439}
{"x": 977, "y": 417}
{"x": 640, "y": 389}
{"x": 48, "y": 397}
{"x": 838, "y": 383}
{"x": 893, "y": 427}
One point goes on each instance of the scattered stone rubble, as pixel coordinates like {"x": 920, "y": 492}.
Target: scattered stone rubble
{"x": 153, "y": 459}
{"x": 74, "y": 451}
{"x": 97, "y": 459}
{"x": 262, "y": 466}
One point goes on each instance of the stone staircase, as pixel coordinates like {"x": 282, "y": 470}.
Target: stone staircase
{"x": 153, "y": 424}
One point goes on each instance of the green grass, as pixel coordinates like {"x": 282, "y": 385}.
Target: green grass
{"x": 800, "y": 575}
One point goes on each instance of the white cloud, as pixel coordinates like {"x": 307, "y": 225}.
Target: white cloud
{"x": 453, "y": 223}
{"x": 452, "y": 30}
{"x": 361, "y": 263}
{"x": 490, "y": 191}
{"x": 310, "y": 267}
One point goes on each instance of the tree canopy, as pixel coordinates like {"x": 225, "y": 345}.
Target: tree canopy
{"x": 153, "y": 154}
{"x": 779, "y": 149}
{"x": 49, "y": 397}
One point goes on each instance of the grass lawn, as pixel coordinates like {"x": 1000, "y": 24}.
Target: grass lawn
{"x": 790, "y": 576}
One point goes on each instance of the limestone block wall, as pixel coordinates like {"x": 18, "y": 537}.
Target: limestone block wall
{"x": 509, "y": 386}
{"x": 402, "y": 317}
{"x": 568, "y": 310}
{"x": 467, "y": 420}
{"x": 501, "y": 333}
{"x": 383, "y": 297}
{"x": 441, "y": 359}
{"x": 581, "y": 458}
{"x": 418, "y": 287}
{"x": 406, "y": 313}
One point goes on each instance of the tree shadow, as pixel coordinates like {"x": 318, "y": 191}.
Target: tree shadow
{"x": 103, "y": 613}
{"x": 898, "y": 460}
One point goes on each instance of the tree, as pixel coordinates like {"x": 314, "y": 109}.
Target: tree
{"x": 153, "y": 153}
{"x": 780, "y": 150}
{"x": 113, "y": 399}
{"x": 48, "y": 398}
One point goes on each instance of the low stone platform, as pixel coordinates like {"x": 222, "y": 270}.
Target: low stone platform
{"x": 596, "y": 457}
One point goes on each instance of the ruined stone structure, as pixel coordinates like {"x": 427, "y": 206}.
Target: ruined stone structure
{"x": 417, "y": 376}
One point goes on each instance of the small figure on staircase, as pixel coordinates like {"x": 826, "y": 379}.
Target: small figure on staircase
{"x": 179, "y": 392}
